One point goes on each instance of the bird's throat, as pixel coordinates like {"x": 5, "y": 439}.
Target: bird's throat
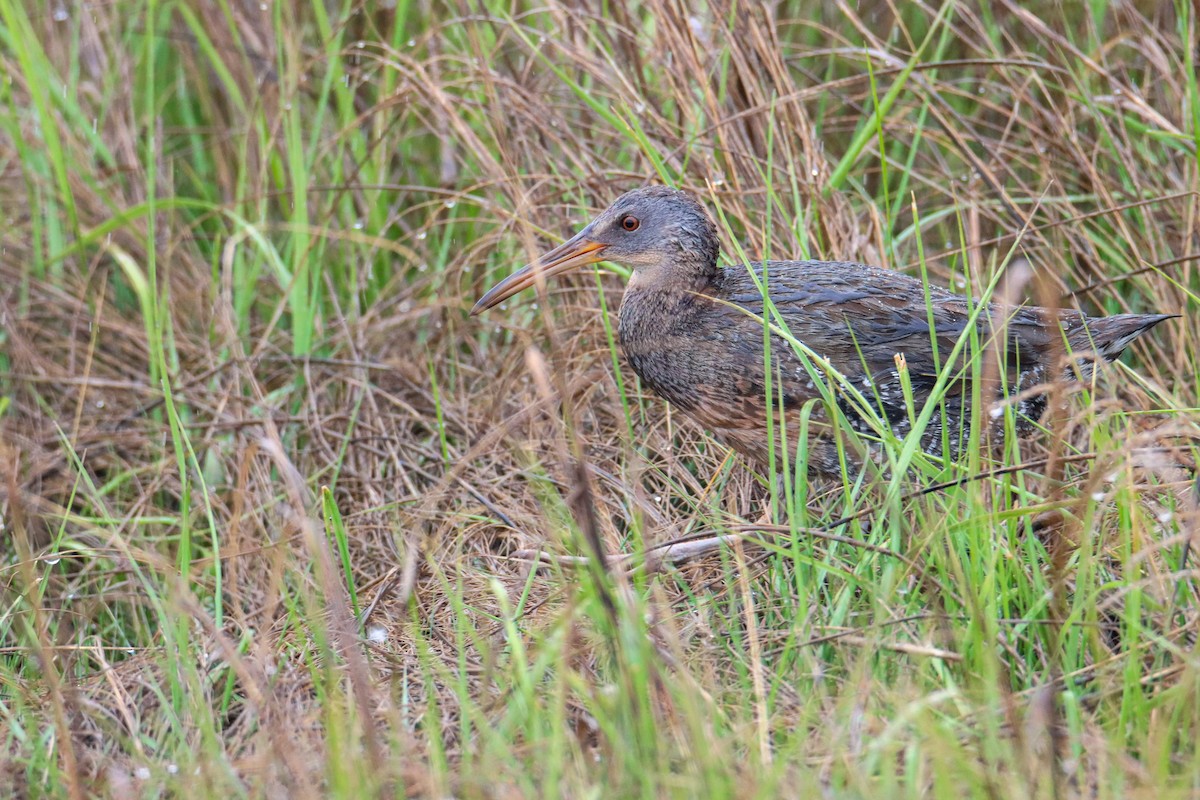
{"x": 670, "y": 279}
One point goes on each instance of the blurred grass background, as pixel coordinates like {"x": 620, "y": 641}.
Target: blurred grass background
{"x": 263, "y": 479}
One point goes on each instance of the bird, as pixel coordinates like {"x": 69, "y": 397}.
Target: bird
{"x": 693, "y": 331}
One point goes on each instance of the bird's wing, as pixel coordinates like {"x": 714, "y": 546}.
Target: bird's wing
{"x": 860, "y": 317}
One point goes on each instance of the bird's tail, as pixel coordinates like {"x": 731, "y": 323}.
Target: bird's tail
{"x": 1109, "y": 336}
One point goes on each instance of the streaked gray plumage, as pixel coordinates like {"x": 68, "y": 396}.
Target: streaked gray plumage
{"x": 693, "y": 331}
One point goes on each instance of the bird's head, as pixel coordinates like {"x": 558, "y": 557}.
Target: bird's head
{"x": 664, "y": 235}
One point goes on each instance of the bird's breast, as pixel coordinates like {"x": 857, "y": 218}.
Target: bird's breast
{"x": 664, "y": 340}
{"x": 687, "y": 350}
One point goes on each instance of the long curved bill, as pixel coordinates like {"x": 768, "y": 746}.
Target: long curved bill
{"x": 576, "y": 252}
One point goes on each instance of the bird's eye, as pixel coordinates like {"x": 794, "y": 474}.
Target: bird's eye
{"x": 629, "y": 222}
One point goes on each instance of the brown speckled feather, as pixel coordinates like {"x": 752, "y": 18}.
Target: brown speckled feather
{"x": 694, "y": 334}
{"x": 703, "y": 350}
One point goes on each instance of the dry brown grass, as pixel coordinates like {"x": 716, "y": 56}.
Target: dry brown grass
{"x": 453, "y": 149}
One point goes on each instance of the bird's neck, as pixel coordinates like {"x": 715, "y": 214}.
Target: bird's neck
{"x": 680, "y": 275}
{"x": 653, "y": 306}
{"x": 670, "y": 285}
